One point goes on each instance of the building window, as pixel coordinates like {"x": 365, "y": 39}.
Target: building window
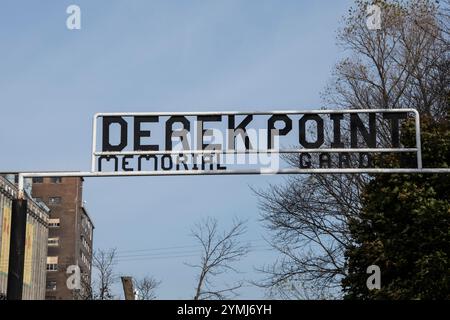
{"x": 52, "y": 267}
{"x": 85, "y": 244}
{"x": 56, "y": 179}
{"x": 53, "y": 242}
{"x": 38, "y": 180}
{"x": 51, "y": 285}
{"x": 53, "y": 223}
{"x": 85, "y": 260}
{"x": 54, "y": 200}
{"x": 52, "y": 263}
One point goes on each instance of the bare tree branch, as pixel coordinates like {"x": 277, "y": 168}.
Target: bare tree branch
{"x": 219, "y": 251}
{"x": 103, "y": 263}
{"x": 405, "y": 64}
{"x": 146, "y": 288}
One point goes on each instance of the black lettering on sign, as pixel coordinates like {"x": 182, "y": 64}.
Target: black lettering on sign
{"x": 344, "y": 160}
{"x": 319, "y": 131}
{"x": 336, "y": 118}
{"x": 365, "y": 160}
{"x": 305, "y": 163}
{"x": 148, "y": 158}
{"x": 369, "y": 136}
{"x": 166, "y": 162}
{"x": 272, "y": 131}
{"x": 139, "y": 133}
{"x": 395, "y": 126}
{"x": 129, "y": 145}
{"x": 208, "y": 159}
{"x": 182, "y": 134}
{"x": 233, "y": 132}
{"x": 108, "y": 158}
{"x": 201, "y": 133}
{"x": 182, "y": 159}
{"x": 324, "y": 160}
{"x": 106, "y": 144}
{"x": 125, "y": 163}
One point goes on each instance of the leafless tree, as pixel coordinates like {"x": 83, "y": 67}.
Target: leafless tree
{"x": 146, "y": 288}
{"x": 219, "y": 251}
{"x": 103, "y": 263}
{"x": 86, "y": 291}
{"x": 403, "y": 65}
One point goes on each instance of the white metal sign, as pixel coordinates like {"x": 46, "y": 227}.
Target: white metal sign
{"x": 262, "y": 142}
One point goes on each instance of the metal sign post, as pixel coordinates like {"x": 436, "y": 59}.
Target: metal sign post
{"x": 148, "y": 151}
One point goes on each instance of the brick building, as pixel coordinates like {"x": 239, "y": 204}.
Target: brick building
{"x": 70, "y": 239}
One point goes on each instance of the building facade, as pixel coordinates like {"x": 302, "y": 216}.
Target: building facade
{"x": 70, "y": 239}
{"x": 34, "y": 283}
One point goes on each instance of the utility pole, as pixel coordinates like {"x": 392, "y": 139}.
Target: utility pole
{"x": 17, "y": 245}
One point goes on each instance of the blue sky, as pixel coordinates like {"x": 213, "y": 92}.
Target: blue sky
{"x": 145, "y": 55}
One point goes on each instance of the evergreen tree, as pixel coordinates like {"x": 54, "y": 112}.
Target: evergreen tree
{"x": 404, "y": 227}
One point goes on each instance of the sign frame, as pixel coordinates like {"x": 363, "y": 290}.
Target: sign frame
{"x": 416, "y": 149}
